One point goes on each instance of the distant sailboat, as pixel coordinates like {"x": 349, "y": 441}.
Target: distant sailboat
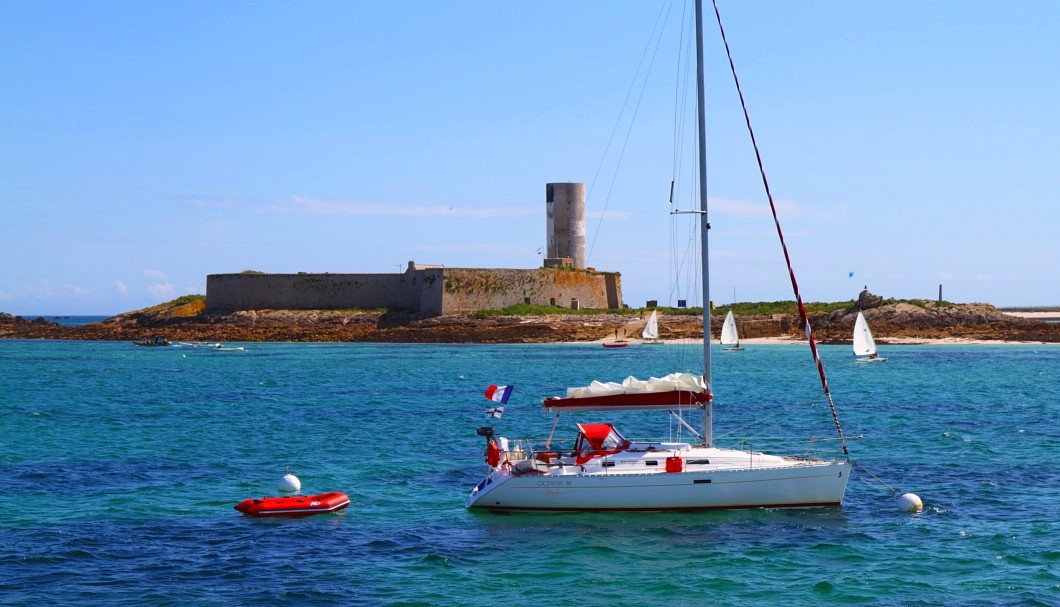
{"x": 729, "y": 335}
{"x": 864, "y": 344}
{"x": 651, "y": 329}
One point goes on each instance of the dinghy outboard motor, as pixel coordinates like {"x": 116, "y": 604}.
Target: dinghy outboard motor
{"x": 493, "y": 452}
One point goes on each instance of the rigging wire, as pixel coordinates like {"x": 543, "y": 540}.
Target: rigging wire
{"x": 664, "y": 18}
{"x": 791, "y": 272}
{"x": 684, "y": 266}
{"x": 878, "y": 479}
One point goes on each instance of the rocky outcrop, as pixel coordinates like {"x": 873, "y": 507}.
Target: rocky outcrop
{"x": 326, "y": 326}
{"x": 15, "y": 326}
{"x": 965, "y": 321}
{"x": 888, "y": 321}
{"x": 868, "y": 301}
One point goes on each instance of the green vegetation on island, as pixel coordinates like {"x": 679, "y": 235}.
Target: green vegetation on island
{"x": 762, "y": 308}
{"x": 186, "y": 305}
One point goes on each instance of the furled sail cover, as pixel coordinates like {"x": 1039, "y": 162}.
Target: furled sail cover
{"x": 677, "y": 391}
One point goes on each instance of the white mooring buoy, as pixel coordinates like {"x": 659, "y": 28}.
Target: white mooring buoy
{"x": 290, "y": 483}
{"x": 910, "y": 502}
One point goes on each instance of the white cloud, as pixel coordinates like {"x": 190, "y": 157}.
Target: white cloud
{"x": 121, "y": 287}
{"x": 785, "y": 208}
{"x": 305, "y": 204}
{"x": 737, "y": 208}
{"x": 43, "y": 290}
{"x": 315, "y": 206}
{"x": 155, "y": 274}
{"x": 607, "y": 214}
{"x": 481, "y": 249}
{"x": 219, "y": 203}
{"x": 163, "y": 290}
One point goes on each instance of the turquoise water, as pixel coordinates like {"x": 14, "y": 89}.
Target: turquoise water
{"x": 121, "y": 466}
{"x": 68, "y": 321}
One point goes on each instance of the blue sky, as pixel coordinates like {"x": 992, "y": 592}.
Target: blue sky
{"x": 146, "y": 145}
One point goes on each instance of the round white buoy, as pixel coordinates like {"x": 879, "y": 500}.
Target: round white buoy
{"x": 290, "y": 483}
{"x": 910, "y": 502}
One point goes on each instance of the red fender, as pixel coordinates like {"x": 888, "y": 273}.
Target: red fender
{"x": 493, "y": 454}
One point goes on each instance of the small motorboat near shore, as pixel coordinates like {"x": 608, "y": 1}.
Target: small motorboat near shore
{"x": 294, "y": 505}
{"x": 156, "y": 341}
{"x": 193, "y": 344}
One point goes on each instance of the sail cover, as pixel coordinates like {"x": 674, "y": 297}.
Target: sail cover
{"x": 677, "y": 391}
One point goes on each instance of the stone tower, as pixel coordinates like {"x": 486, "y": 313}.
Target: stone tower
{"x": 565, "y": 222}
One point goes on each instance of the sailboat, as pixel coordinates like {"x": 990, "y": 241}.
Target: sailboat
{"x": 864, "y": 344}
{"x": 651, "y": 329}
{"x": 605, "y": 471}
{"x": 729, "y": 335}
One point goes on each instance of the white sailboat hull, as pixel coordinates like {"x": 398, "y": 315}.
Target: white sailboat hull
{"x": 772, "y": 483}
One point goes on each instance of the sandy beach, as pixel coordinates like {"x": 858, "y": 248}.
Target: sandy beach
{"x": 1035, "y": 315}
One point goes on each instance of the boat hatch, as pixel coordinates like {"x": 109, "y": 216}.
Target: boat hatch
{"x": 597, "y": 440}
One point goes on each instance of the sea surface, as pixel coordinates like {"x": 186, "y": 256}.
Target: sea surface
{"x": 121, "y": 466}
{"x": 66, "y": 321}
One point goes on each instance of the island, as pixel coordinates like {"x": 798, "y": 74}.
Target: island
{"x": 892, "y": 321}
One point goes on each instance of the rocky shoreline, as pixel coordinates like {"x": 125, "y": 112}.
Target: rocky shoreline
{"x": 900, "y": 322}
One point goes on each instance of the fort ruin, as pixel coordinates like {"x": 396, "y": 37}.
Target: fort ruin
{"x": 431, "y": 290}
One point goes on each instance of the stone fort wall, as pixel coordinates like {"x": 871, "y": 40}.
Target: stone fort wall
{"x": 429, "y": 291}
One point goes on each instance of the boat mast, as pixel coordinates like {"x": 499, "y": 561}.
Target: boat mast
{"x": 708, "y": 431}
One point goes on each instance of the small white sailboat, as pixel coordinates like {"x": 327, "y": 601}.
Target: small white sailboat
{"x": 864, "y": 344}
{"x": 651, "y": 329}
{"x": 607, "y": 472}
{"x": 729, "y": 335}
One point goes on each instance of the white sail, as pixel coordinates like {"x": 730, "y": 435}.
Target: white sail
{"x": 729, "y": 335}
{"x": 864, "y": 345}
{"x": 651, "y": 330}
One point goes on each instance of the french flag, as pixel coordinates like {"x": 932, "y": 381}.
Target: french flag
{"x": 499, "y": 394}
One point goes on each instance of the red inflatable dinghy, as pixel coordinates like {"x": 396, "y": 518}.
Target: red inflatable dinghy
{"x": 295, "y": 505}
